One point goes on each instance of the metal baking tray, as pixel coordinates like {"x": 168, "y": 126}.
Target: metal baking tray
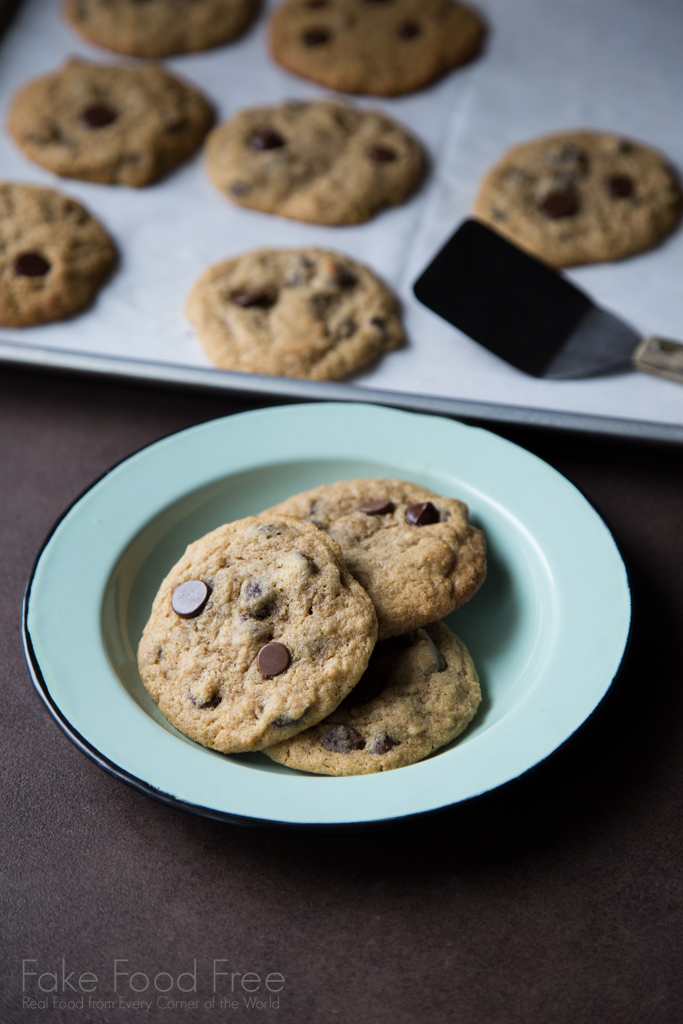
{"x": 523, "y": 85}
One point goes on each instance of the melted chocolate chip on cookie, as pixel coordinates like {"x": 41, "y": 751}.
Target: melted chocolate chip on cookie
{"x": 189, "y": 599}
{"x": 254, "y": 297}
{"x": 31, "y": 264}
{"x": 273, "y": 659}
{"x": 99, "y": 115}
{"x": 422, "y": 514}
{"x": 383, "y": 744}
{"x": 213, "y": 703}
{"x": 266, "y": 138}
{"x": 409, "y": 30}
{"x": 377, "y": 508}
{"x": 315, "y": 37}
{"x": 382, "y": 154}
{"x": 561, "y": 202}
{"x": 621, "y": 186}
{"x": 342, "y": 739}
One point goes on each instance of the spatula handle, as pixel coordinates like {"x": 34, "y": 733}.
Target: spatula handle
{"x": 660, "y": 356}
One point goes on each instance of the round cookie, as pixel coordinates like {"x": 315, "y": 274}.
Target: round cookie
{"x": 413, "y": 552}
{"x": 418, "y": 693}
{"x": 256, "y": 633}
{"x": 116, "y": 125}
{"x": 377, "y": 47}
{"x": 294, "y": 313}
{"x": 581, "y": 197}
{"x": 53, "y": 256}
{"x": 318, "y": 162}
{"x": 159, "y": 28}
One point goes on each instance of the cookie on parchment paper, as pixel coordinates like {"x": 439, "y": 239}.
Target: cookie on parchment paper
{"x": 256, "y": 633}
{"x": 54, "y": 256}
{"x": 115, "y": 125}
{"x": 294, "y": 313}
{"x": 581, "y": 197}
{"x": 160, "y": 28}
{"x": 320, "y": 162}
{"x": 418, "y": 693}
{"x": 414, "y": 552}
{"x": 374, "y": 47}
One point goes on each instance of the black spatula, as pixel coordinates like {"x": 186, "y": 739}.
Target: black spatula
{"x": 528, "y": 314}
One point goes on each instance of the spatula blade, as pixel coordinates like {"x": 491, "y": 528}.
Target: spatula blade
{"x": 521, "y": 309}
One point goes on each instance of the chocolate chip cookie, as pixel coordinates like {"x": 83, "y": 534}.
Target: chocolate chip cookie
{"x": 294, "y": 313}
{"x": 414, "y": 552}
{"x": 256, "y": 633}
{"x": 318, "y": 162}
{"x": 418, "y": 693}
{"x": 581, "y": 197}
{"x": 116, "y": 125}
{"x": 53, "y": 256}
{"x": 160, "y": 28}
{"x": 377, "y": 47}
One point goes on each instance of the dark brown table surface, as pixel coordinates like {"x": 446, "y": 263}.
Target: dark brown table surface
{"x": 556, "y": 899}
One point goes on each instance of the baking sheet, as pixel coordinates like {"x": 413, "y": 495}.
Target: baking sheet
{"x": 606, "y": 64}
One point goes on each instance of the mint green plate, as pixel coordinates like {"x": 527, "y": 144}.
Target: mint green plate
{"x": 547, "y": 630}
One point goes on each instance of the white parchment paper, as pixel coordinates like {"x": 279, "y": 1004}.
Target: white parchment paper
{"x": 606, "y": 64}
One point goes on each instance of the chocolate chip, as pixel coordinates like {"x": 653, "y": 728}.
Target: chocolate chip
{"x": 409, "y": 30}
{"x": 569, "y": 157}
{"x": 422, "y": 514}
{"x": 266, "y": 138}
{"x": 99, "y": 115}
{"x": 268, "y": 529}
{"x": 342, "y": 739}
{"x": 344, "y": 279}
{"x": 345, "y": 329}
{"x": 273, "y": 659}
{"x": 238, "y": 189}
{"x": 178, "y": 126}
{"x": 189, "y": 599}
{"x": 282, "y": 720}
{"x": 378, "y": 321}
{"x": 620, "y": 186}
{"x": 31, "y": 264}
{"x": 256, "y": 297}
{"x": 255, "y": 603}
{"x": 308, "y": 562}
{"x": 383, "y": 154}
{"x": 315, "y": 37}
{"x": 383, "y": 744}
{"x": 377, "y": 508}
{"x": 369, "y": 686}
{"x": 213, "y": 703}
{"x": 561, "y": 202}
{"x": 315, "y": 5}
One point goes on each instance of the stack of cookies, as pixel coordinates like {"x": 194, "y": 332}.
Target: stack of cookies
{"x": 310, "y": 632}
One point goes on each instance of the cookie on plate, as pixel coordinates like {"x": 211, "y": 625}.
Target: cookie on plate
{"x": 418, "y": 693}
{"x": 319, "y": 162}
{"x": 414, "y": 552}
{"x": 294, "y": 313}
{"x": 257, "y": 632}
{"x": 116, "y": 125}
{"x": 54, "y": 256}
{"x": 581, "y": 197}
{"x": 373, "y": 47}
{"x": 159, "y": 28}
